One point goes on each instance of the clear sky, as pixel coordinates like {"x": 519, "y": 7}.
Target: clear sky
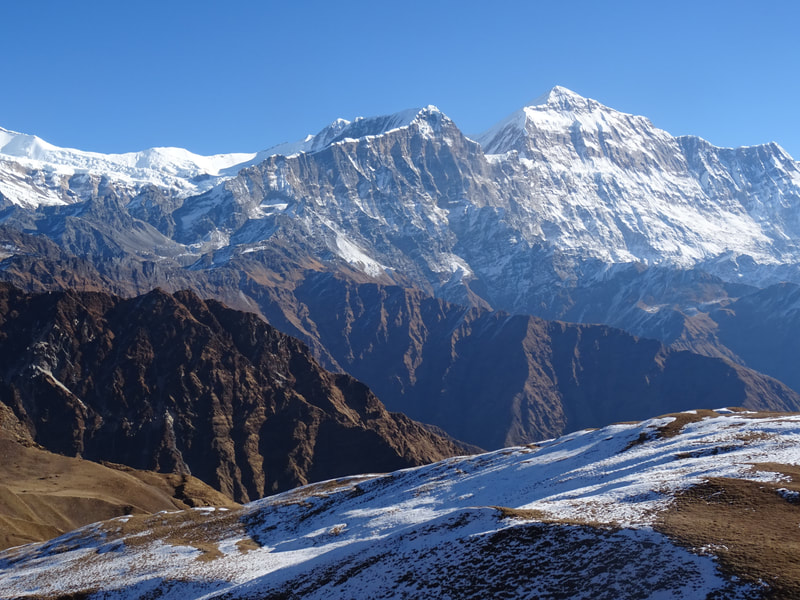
{"x": 116, "y": 76}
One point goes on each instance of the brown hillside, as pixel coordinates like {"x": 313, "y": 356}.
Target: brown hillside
{"x": 175, "y": 384}
{"x": 43, "y": 495}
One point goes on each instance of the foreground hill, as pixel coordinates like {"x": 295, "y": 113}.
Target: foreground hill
{"x": 684, "y": 506}
{"x": 175, "y": 384}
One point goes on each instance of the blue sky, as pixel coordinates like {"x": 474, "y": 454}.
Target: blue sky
{"x": 242, "y": 76}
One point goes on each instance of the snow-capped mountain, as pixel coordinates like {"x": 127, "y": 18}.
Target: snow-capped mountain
{"x": 567, "y": 209}
{"x": 553, "y": 195}
{"x": 35, "y": 173}
{"x": 684, "y": 506}
{"x": 612, "y": 186}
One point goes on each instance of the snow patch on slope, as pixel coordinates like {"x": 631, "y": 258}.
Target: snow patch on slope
{"x": 357, "y": 257}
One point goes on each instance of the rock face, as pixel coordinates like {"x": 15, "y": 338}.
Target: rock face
{"x": 175, "y": 384}
{"x": 495, "y": 379}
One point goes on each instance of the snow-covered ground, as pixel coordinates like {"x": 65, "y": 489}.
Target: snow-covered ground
{"x": 573, "y": 515}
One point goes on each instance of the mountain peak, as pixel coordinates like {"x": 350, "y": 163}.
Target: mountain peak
{"x": 370, "y": 126}
{"x": 429, "y": 110}
{"x": 555, "y": 111}
{"x": 557, "y": 94}
{"x": 562, "y": 98}
{"x": 341, "y": 129}
{"x": 21, "y": 145}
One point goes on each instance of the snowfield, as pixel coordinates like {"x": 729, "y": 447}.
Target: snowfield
{"x": 572, "y": 517}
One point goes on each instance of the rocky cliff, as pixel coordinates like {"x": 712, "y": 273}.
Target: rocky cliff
{"x": 175, "y": 384}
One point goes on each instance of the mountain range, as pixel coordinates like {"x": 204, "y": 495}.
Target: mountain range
{"x": 566, "y": 180}
{"x": 565, "y": 210}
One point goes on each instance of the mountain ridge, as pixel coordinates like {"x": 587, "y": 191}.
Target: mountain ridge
{"x": 693, "y": 189}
